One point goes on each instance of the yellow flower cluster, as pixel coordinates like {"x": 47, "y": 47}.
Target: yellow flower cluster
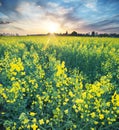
{"x": 16, "y": 65}
{"x": 61, "y": 69}
{"x": 115, "y": 99}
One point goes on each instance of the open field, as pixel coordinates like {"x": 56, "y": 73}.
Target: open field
{"x": 59, "y": 83}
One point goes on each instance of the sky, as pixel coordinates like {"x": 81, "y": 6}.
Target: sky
{"x": 43, "y": 16}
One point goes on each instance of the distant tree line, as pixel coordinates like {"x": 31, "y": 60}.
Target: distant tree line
{"x": 74, "y": 33}
{"x": 93, "y": 34}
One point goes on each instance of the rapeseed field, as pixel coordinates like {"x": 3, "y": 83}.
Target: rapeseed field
{"x": 59, "y": 83}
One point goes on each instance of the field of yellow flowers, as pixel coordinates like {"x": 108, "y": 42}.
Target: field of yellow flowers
{"x": 59, "y": 83}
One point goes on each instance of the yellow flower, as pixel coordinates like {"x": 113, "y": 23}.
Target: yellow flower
{"x": 109, "y": 122}
{"x": 86, "y": 106}
{"x": 47, "y": 121}
{"x": 34, "y": 126}
{"x": 64, "y": 103}
{"x": 28, "y": 126}
{"x": 74, "y": 126}
{"x": 93, "y": 114}
{"x": 78, "y": 101}
{"x": 32, "y": 113}
{"x": 66, "y": 99}
{"x": 41, "y": 122}
{"x": 117, "y": 111}
{"x": 74, "y": 106}
{"x": 8, "y": 128}
{"x": 76, "y": 111}
{"x": 101, "y": 116}
{"x": 23, "y": 73}
{"x": 57, "y": 109}
{"x": 13, "y": 78}
{"x": 4, "y": 95}
{"x": 71, "y": 94}
{"x": 26, "y": 121}
{"x": 95, "y": 122}
{"x": 117, "y": 103}
{"x": 63, "y": 64}
{"x": 92, "y": 128}
{"x": 2, "y": 113}
{"x": 108, "y": 104}
{"x": 34, "y": 120}
{"x": 66, "y": 111}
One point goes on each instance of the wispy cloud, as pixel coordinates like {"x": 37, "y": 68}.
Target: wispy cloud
{"x": 110, "y": 29}
{"x": 105, "y": 25}
{"x": 18, "y": 28}
{"x": 91, "y": 4}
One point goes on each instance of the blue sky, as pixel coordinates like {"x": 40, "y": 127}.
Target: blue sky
{"x": 42, "y": 16}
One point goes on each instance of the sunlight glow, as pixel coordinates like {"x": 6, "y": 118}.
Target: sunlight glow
{"x": 52, "y": 28}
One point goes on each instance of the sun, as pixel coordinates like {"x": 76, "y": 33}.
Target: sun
{"x": 52, "y": 28}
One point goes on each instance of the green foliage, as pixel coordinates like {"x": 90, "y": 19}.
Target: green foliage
{"x": 59, "y": 83}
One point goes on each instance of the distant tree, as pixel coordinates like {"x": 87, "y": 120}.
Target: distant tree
{"x": 17, "y": 34}
{"x": 66, "y": 33}
{"x": 96, "y": 33}
{"x": 74, "y": 33}
{"x": 93, "y": 33}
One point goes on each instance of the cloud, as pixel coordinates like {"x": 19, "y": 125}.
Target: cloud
{"x": 91, "y": 4}
{"x": 9, "y": 8}
{"x": 5, "y": 22}
{"x": 110, "y": 29}
{"x": 107, "y": 25}
{"x": 36, "y": 14}
{"x": 11, "y": 29}
{"x": 18, "y": 28}
{"x": 32, "y": 16}
{"x": 104, "y": 23}
{"x": 4, "y": 19}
